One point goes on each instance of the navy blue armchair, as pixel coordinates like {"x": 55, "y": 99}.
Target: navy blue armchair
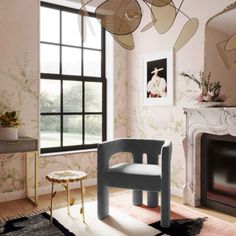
{"x": 150, "y": 177}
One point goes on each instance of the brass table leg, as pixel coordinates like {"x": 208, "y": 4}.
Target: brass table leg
{"x": 36, "y": 178}
{"x": 51, "y": 207}
{"x": 26, "y": 175}
{"x": 68, "y": 197}
{"x": 82, "y": 199}
{"x": 35, "y": 200}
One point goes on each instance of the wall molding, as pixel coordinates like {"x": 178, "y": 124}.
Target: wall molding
{"x": 176, "y": 192}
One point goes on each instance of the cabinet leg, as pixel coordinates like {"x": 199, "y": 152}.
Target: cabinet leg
{"x": 68, "y": 198}
{"x": 51, "y": 205}
{"x": 36, "y": 178}
{"x": 26, "y": 175}
{"x": 35, "y": 199}
{"x": 82, "y": 199}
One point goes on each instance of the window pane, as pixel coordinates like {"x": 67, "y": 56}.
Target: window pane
{"x": 71, "y": 29}
{"x": 49, "y": 60}
{"x": 72, "y": 134}
{"x": 71, "y": 61}
{"x": 92, "y": 63}
{"x": 49, "y": 25}
{"x": 72, "y": 96}
{"x": 93, "y": 97}
{"x": 50, "y": 131}
{"x": 93, "y": 129}
{"x": 50, "y": 95}
{"x": 92, "y": 33}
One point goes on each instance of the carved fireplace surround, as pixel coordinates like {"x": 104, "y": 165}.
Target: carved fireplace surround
{"x": 215, "y": 120}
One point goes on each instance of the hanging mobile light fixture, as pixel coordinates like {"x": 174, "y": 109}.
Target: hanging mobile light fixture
{"x": 122, "y": 17}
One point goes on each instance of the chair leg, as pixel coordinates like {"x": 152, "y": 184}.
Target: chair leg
{"x": 137, "y": 197}
{"x": 165, "y": 207}
{"x": 103, "y": 202}
{"x": 152, "y": 199}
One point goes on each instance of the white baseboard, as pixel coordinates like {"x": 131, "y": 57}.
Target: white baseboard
{"x": 176, "y": 191}
{"x": 43, "y": 190}
{"x": 12, "y": 196}
{"x": 58, "y": 187}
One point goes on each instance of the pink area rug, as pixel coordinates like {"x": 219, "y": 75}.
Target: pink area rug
{"x": 211, "y": 227}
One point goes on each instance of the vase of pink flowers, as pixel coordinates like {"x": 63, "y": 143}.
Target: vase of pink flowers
{"x": 210, "y": 91}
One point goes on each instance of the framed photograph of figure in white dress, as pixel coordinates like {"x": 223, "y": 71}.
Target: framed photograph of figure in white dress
{"x": 157, "y": 74}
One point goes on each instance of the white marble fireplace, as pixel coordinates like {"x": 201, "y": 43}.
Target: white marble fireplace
{"x": 215, "y": 120}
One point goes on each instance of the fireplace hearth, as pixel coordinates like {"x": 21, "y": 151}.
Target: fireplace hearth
{"x": 217, "y": 121}
{"x": 218, "y": 175}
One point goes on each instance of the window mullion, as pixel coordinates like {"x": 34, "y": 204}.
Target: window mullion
{"x": 83, "y": 82}
{"x": 61, "y": 100}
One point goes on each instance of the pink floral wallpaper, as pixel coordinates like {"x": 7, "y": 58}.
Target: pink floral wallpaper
{"x": 168, "y": 122}
{"x": 19, "y": 89}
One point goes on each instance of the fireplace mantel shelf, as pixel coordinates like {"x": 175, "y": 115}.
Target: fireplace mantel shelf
{"x": 213, "y": 120}
{"x": 189, "y": 109}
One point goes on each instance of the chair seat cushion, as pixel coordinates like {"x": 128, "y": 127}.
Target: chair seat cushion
{"x": 135, "y": 176}
{"x": 136, "y": 169}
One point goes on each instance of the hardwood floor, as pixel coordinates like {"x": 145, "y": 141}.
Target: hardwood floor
{"x": 15, "y": 208}
{"x": 208, "y": 211}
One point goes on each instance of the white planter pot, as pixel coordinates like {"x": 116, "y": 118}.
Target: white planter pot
{"x": 8, "y": 133}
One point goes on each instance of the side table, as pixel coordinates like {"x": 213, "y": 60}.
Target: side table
{"x": 64, "y": 177}
{"x": 26, "y": 145}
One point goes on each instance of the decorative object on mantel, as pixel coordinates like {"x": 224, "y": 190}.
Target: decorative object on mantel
{"x": 9, "y": 123}
{"x": 210, "y": 92}
{"x": 121, "y": 18}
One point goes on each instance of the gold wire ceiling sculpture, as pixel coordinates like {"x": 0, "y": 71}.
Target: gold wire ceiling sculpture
{"x": 122, "y": 17}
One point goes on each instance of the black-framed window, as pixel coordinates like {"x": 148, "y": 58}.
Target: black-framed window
{"x": 73, "y": 83}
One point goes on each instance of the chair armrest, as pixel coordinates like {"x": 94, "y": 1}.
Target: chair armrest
{"x": 104, "y": 152}
{"x": 166, "y": 152}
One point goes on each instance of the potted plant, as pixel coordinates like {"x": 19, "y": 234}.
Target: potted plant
{"x": 9, "y": 123}
{"x": 210, "y": 92}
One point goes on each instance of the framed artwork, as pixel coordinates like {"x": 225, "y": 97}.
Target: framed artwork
{"x": 157, "y": 78}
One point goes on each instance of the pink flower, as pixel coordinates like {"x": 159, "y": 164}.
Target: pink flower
{"x": 199, "y": 98}
{"x": 222, "y": 97}
{"x": 208, "y": 97}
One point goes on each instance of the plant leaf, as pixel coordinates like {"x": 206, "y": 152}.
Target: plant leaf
{"x": 54, "y": 194}
{"x": 64, "y": 186}
{"x": 81, "y": 210}
{"x": 72, "y": 201}
{"x": 186, "y": 33}
{"x": 10, "y": 119}
{"x": 120, "y": 17}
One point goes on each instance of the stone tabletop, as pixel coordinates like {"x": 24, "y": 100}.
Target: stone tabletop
{"x": 66, "y": 176}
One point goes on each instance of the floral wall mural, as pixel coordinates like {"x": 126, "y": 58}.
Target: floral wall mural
{"x": 169, "y": 122}
{"x": 19, "y": 90}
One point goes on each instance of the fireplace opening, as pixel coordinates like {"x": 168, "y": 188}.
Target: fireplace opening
{"x": 218, "y": 172}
